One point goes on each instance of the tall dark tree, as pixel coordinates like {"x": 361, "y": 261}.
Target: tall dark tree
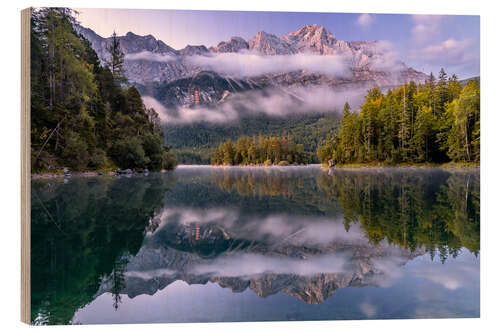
{"x": 441, "y": 91}
{"x": 116, "y": 59}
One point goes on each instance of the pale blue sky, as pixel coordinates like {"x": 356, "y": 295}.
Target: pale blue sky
{"x": 425, "y": 42}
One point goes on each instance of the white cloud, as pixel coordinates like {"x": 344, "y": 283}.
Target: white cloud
{"x": 368, "y": 309}
{"x": 146, "y": 55}
{"x": 365, "y": 20}
{"x": 150, "y": 102}
{"x": 298, "y": 230}
{"x": 249, "y": 265}
{"x": 247, "y": 64}
{"x": 456, "y": 275}
{"x": 450, "y": 52}
{"x": 380, "y": 55}
{"x": 252, "y": 64}
{"x": 426, "y": 27}
{"x": 461, "y": 272}
{"x": 272, "y": 102}
{"x": 386, "y": 57}
{"x": 148, "y": 275}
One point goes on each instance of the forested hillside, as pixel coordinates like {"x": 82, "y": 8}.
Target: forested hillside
{"x": 435, "y": 122}
{"x": 84, "y": 116}
{"x": 196, "y": 143}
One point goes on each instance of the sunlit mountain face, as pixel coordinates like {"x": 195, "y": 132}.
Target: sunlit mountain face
{"x": 238, "y": 244}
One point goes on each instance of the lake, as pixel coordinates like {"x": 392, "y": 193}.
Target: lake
{"x": 204, "y": 244}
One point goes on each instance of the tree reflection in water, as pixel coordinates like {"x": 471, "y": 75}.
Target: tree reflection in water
{"x": 290, "y": 230}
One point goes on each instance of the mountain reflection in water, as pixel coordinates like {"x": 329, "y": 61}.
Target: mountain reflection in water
{"x": 212, "y": 244}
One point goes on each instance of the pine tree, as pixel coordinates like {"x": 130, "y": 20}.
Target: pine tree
{"x": 424, "y": 134}
{"x": 117, "y": 57}
{"x": 454, "y": 88}
{"x": 441, "y": 92}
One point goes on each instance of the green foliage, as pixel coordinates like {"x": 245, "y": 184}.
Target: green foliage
{"x": 83, "y": 117}
{"x": 81, "y": 233}
{"x": 259, "y": 150}
{"x": 75, "y": 151}
{"x": 129, "y": 153}
{"x": 464, "y": 138}
{"x": 438, "y": 211}
{"x": 98, "y": 160}
{"x": 196, "y": 143}
{"x": 152, "y": 145}
{"x": 169, "y": 160}
{"x": 431, "y": 122}
{"x": 194, "y": 155}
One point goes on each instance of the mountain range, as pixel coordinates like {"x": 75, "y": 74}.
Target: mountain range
{"x": 311, "y": 56}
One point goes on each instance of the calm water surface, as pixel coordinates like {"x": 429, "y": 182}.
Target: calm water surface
{"x": 245, "y": 244}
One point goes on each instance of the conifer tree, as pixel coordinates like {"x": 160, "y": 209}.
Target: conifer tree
{"x": 117, "y": 57}
{"x": 441, "y": 92}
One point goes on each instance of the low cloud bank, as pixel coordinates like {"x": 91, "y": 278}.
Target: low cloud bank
{"x": 382, "y": 56}
{"x": 273, "y": 102}
{"x": 252, "y": 64}
{"x": 385, "y": 58}
{"x": 278, "y": 228}
{"x": 150, "y": 56}
{"x": 248, "y": 64}
{"x": 249, "y": 265}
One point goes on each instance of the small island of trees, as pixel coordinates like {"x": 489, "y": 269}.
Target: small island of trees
{"x": 259, "y": 151}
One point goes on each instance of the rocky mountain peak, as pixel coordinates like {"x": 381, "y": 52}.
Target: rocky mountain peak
{"x": 234, "y": 44}
{"x": 313, "y": 38}
{"x": 270, "y": 44}
{"x": 193, "y": 50}
{"x": 132, "y": 43}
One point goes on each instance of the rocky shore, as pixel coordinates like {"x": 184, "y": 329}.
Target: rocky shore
{"x": 67, "y": 174}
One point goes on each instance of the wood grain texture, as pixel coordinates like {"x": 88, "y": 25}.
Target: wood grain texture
{"x": 25, "y": 167}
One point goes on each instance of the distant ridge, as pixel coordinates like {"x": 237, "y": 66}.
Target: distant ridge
{"x": 465, "y": 81}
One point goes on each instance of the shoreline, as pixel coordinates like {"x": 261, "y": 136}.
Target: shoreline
{"x": 51, "y": 175}
{"x": 449, "y": 165}
{"x": 458, "y": 166}
{"x": 344, "y": 166}
{"x": 244, "y": 166}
